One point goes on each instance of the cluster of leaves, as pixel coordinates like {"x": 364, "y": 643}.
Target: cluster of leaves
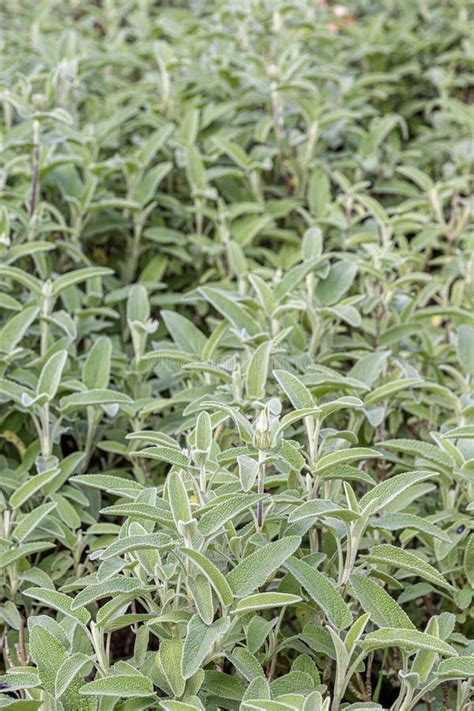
{"x": 236, "y": 353}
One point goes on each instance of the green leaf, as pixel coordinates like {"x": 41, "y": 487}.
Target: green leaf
{"x": 234, "y": 151}
{"x": 16, "y": 327}
{"x": 258, "y": 688}
{"x": 422, "y": 450}
{"x": 164, "y": 454}
{"x": 248, "y": 470}
{"x": 355, "y": 633}
{"x": 322, "y": 590}
{"x": 255, "y": 569}
{"x": 339, "y": 280}
{"x": 97, "y": 591}
{"x": 383, "y": 609}
{"x": 317, "y": 508}
{"x": 374, "y": 207}
{"x": 264, "y": 294}
{"x": 388, "y": 389}
{"x": 200, "y": 367}
{"x": 50, "y": 377}
{"x": 212, "y": 573}
{"x": 394, "y": 557}
{"x": 201, "y": 592}
{"x": 138, "y": 304}
{"x": 60, "y": 602}
{"x": 328, "y": 461}
{"x": 153, "y": 438}
{"x": 246, "y": 663}
{"x": 93, "y": 398}
{"x": 236, "y": 259}
{"x": 96, "y": 371}
{"x": 203, "y": 433}
{"x": 168, "y": 705}
{"x": 257, "y": 371}
{"x": 409, "y": 640}
{"x": 264, "y": 601}
{"x": 469, "y": 560}
{"x": 388, "y": 490}
{"x": 69, "y": 670}
{"x": 49, "y": 655}
{"x": 419, "y": 177}
{"x": 425, "y": 659}
{"x": 463, "y": 432}
{"x": 368, "y": 368}
{"x": 29, "y": 282}
{"x": 218, "y": 513}
{"x": 178, "y": 498}
{"x": 24, "y": 705}
{"x": 124, "y": 686}
{"x": 379, "y": 130}
{"x": 294, "y": 276}
{"x": 118, "y": 485}
{"x": 342, "y": 403}
{"x": 243, "y": 425}
{"x": 319, "y": 193}
{"x": 7, "y": 557}
{"x": 30, "y": 521}
{"x": 195, "y": 170}
{"x": 223, "y": 686}
{"x": 76, "y": 277}
{"x": 397, "y": 521}
{"x": 170, "y": 656}
{"x": 146, "y": 512}
{"x": 286, "y": 687}
{"x": 29, "y": 487}
{"x": 19, "y": 680}
{"x": 245, "y": 229}
{"x": 198, "y": 642}
{"x": 456, "y": 668}
{"x": 298, "y": 394}
{"x": 465, "y": 348}
{"x": 184, "y": 333}
{"x": 312, "y": 244}
{"x": 291, "y": 417}
{"x": 132, "y": 543}
{"x": 231, "y": 310}
{"x": 264, "y": 705}
{"x": 149, "y": 149}
{"x": 149, "y": 184}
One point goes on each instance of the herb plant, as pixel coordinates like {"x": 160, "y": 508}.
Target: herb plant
{"x": 236, "y": 353}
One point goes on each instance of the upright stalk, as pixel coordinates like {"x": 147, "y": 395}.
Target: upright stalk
{"x": 261, "y": 487}
{"x": 35, "y": 170}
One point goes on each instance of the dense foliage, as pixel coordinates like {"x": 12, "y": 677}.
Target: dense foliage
{"x": 236, "y": 351}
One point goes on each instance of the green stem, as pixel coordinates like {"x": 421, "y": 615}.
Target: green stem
{"x": 203, "y": 480}
{"x": 261, "y": 488}
{"x": 45, "y": 438}
{"x": 339, "y": 695}
{"x": 97, "y": 639}
{"x": 429, "y": 687}
{"x": 93, "y": 418}
{"x": 44, "y": 326}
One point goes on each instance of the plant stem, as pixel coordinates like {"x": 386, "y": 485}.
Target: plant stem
{"x": 261, "y": 488}
{"x": 35, "y": 170}
{"x": 44, "y": 326}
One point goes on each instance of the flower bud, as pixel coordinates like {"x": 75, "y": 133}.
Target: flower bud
{"x": 272, "y": 71}
{"x": 263, "y": 435}
{"x": 39, "y": 101}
